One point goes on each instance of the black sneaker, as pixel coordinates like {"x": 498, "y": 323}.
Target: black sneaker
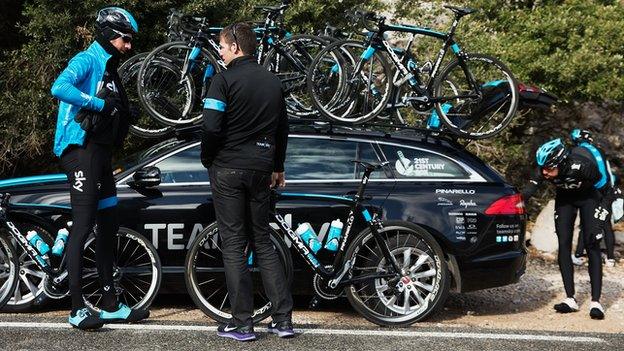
{"x": 282, "y": 329}
{"x": 596, "y": 311}
{"x": 568, "y": 305}
{"x": 242, "y": 333}
{"x": 85, "y": 320}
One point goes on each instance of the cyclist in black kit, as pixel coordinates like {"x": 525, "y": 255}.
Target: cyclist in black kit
{"x": 93, "y": 118}
{"x": 584, "y": 138}
{"x": 582, "y": 185}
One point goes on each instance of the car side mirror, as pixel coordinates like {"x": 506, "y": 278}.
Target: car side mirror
{"x": 147, "y": 177}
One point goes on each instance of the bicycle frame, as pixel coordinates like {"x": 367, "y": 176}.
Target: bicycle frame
{"x": 338, "y": 268}
{"x": 377, "y": 42}
{"x": 55, "y": 273}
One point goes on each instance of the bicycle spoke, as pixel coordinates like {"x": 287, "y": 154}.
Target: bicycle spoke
{"x": 224, "y": 300}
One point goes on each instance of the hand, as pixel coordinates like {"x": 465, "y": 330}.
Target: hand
{"x": 205, "y": 156}
{"x": 278, "y": 180}
{"x": 112, "y": 107}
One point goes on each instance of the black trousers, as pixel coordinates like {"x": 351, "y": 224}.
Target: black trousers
{"x": 566, "y": 207}
{"x": 242, "y": 206}
{"x": 94, "y": 201}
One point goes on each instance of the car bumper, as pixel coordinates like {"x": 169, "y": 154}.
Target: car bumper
{"x": 492, "y": 271}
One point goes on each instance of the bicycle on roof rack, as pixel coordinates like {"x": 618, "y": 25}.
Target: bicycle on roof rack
{"x": 174, "y": 78}
{"x": 475, "y": 96}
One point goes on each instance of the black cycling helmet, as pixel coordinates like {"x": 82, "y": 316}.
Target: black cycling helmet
{"x": 117, "y": 20}
{"x": 551, "y": 154}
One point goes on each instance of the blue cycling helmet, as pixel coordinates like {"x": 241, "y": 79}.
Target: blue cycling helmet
{"x": 581, "y": 135}
{"x": 551, "y": 154}
{"x": 117, "y": 20}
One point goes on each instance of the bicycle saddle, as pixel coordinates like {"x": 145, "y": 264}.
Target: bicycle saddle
{"x": 460, "y": 11}
{"x": 269, "y": 9}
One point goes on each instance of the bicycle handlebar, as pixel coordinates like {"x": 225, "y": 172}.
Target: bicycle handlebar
{"x": 366, "y": 16}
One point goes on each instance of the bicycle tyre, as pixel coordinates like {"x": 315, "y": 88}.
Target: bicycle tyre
{"x": 410, "y": 239}
{"x": 194, "y": 283}
{"x": 185, "y": 110}
{"x": 342, "y": 106}
{"x": 144, "y": 126}
{"x": 8, "y": 269}
{"x": 134, "y": 259}
{"x": 296, "y": 104}
{"x": 454, "y": 126}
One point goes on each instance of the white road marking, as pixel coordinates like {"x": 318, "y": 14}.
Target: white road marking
{"x": 350, "y": 332}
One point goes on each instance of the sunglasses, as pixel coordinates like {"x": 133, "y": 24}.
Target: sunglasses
{"x": 127, "y": 38}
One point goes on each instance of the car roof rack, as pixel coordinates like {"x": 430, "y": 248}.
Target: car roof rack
{"x": 387, "y": 130}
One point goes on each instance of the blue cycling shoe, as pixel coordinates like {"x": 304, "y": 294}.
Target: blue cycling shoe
{"x": 123, "y": 314}
{"x": 85, "y": 320}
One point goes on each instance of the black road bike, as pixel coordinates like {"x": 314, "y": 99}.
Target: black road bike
{"x": 393, "y": 272}
{"x": 475, "y": 96}
{"x": 136, "y": 272}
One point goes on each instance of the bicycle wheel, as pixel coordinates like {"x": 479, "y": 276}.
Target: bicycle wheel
{"x": 413, "y": 294}
{"x": 137, "y": 272}
{"x": 292, "y": 68}
{"x": 145, "y": 126}
{"x": 8, "y": 268}
{"x": 480, "y": 110}
{"x": 166, "y": 94}
{"x": 205, "y": 276}
{"x": 341, "y": 95}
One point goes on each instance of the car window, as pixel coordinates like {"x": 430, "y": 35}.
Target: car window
{"x": 366, "y": 153}
{"x": 315, "y": 158}
{"x": 415, "y": 163}
{"x": 183, "y": 167}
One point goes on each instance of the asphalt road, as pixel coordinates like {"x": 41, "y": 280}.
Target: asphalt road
{"x": 30, "y": 332}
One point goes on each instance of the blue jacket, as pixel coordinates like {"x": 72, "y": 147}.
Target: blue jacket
{"x": 76, "y": 88}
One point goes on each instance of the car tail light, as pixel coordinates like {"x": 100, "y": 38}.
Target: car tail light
{"x": 507, "y": 205}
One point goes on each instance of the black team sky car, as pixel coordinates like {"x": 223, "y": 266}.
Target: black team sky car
{"x": 476, "y": 217}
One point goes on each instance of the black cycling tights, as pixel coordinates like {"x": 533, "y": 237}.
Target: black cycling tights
{"x": 93, "y": 201}
{"x": 566, "y": 206}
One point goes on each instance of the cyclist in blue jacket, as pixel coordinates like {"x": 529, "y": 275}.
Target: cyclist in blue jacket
{"x": 582, "y": 185}
{"x": 93, "y": 118}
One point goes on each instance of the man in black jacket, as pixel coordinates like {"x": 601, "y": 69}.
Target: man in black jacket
{"x": 245, "y": 132}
